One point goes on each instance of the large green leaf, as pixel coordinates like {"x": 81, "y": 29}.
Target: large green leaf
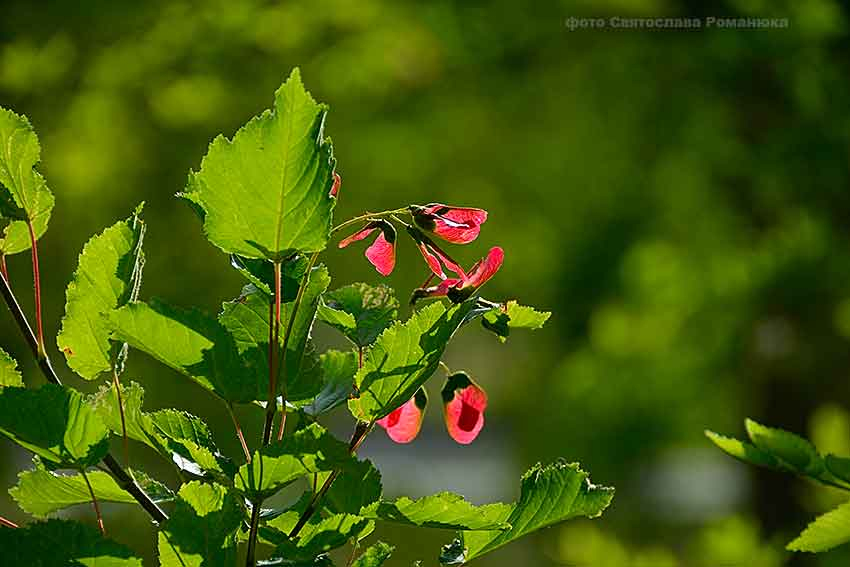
{"x": 309, "y": 450}
{"x": 108, "y": 276}
{"x": 358, "y": 485}
{"x": 191, "y": 343}
{"x": 549, "y": 495}
{"x": 54, "y": 423}
{"x": 62, "y": 543}
{"x": 265, "y": 194}
{"x": 442, "y": 511}
{"x": 825, "y": 532}
{"x": 9, "y": 373}
{"x": 374, "y": 556}
{"x": 24, "y": 195}
{"x": 202, "y": 527}
{"x": 403, "y": 358}
{"x": 338, "y": 370}
{"x": 370, "y": 310}
{"x": 40, "y": 492}
{"x": 247, "y": 320}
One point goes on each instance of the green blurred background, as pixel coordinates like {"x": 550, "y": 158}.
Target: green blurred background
{"x": 678, "y": 199}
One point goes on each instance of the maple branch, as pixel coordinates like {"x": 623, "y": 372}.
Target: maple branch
{"x": 124, "y": 480}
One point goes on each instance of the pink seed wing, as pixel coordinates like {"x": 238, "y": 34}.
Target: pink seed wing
{"x": 335, "y": 187}
{"x": 360, "y": 235}
{"x": 432, "y": 260}
{"x": 464, "y": 414}
{"x": 403, "y": 424}
{"x": 459, "y": 225}
{"x": 486, "y": 268}
{"x": 381, "y": 254}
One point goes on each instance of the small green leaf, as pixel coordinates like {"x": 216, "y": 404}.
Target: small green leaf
{"x": 108, "y": 276}
{"x": 549, "y": 495}
{"x": 374, "y": 556}
{"x": 309, "y": 450}
{"x": 825, "y": 532}
{"x": 66, "y": 432}
{"x": 170, "y": 432}
{"x": 370, "y": 310}
{"x": 838, "y": 466}
{"x": 247, "y": 320}
{"x": 191, "y": 343}
{"x": 265, "y": 194}
{"x": 792, "y": 450}
{"x": 202, "y": 527}
{"x": 358, "y": 485}
{"x": 512, "y": 315}
{"x": 403, "y": 358}
{"x": 63, "y": 543}
{"x": 9, "y": 373}
{"x": 24, "y": 195}
{"x": 442, "y": 511}
{"x": 744, "y": 451}
{"x": 338, "y": 370}
{"x": 40, "y": 492}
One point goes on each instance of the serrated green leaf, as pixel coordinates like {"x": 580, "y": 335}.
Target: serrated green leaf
{"x": 513, "y": 316}
{"x": 24, "y": 195}
{"x": 374, "y": 556}
{"x": 442, "y": 511}
{"x": 62, "y": 543}
{"x": 323, "y": 536}
{"x": 403, "y": 358}
{"x": 108, "y": 275}
{"x": 549, "y": 495}
{"x": 309, "y": 450}
{"x": 358, "y": 485}
{"x": 370, "y": 310}
{"x": 9, "y": 373}
{"x": 54, "y": 423}
{"x": 825, "y": 532}
{"x": 170, "y": 432}
{"x": 792, "y": 450}
{"x": 192, "y": 343}
{"x": 265, "y": 194}
{"x": 247, "y": 321}
{"x": 338, "y": 370}
{"x": 744, "y": 451}
{"x": 40, "y": 492}
{"x": 202, "y": 527}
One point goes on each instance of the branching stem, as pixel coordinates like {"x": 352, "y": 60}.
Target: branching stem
{"x": 36, "y": 276}
{"x": 121, "y": 476}
{"x": 239, "y": 432}
{"x": 357, "y": 219}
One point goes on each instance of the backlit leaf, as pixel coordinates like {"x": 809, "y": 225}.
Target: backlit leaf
{"x": 265, "y": 193}
{"x": 370, "y": 310}
{"x": 825, "y": 532}
{"x": 9, "y": 373}
{"x": 443, "y": 511}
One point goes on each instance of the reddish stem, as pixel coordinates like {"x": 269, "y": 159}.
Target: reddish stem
{"x": 239, "y": 433}
{"x": 274, "y": 345}
{"x": 7, "y": 523}
{"x": 37, "y": 283}
{"x": 95, "y": 503}
{"x": 4, "y": 271}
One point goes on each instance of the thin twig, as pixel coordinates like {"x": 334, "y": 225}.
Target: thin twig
{"x": 7, "y": 523}
{"x": 239, "y": 432}
{"x": 357, "y": 219}
{"x": 36, "y": 276}
{"x": 4, "y": 270}
{"x": 274, "y": 345}
{"x": 94, "y": 502}
{"x": 288, "y": 333}
{"x": 123, "y": 479}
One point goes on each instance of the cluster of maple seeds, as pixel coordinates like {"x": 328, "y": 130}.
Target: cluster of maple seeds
{"x": 464, "y": 401}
